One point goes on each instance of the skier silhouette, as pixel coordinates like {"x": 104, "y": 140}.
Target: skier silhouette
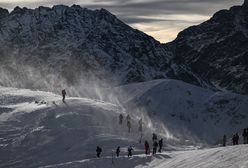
{"x": 128, "y": 118}
{"x": 160, "y": 143}
{"x": 147, "y": 148}
{"x": 63, "y": 95}
{"x": 140, "y": 125}
{"x": 245, "y": 135}
{"x": 120, "y": 119}
{"x": 118, "y": 151}
{"x": 154, "y": 137}
{"x": 224, "y": 140}
{"x": 98, "y": 151}
{"x": 129, "y": 150}
{"x": 129, "y": 126}
{"x": 155, "y": 146}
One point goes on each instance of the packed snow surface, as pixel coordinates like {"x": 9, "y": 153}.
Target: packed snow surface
{"x": 223, "y": 157}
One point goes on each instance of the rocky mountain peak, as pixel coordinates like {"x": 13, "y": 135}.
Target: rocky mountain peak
{"x": 216, "y": 49}
{"x": 3, "y": 12}
{"x": 94, "y": 42}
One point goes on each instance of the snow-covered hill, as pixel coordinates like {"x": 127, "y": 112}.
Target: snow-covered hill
{"x": 187, "y": 110}
{"x": 50, "y": 132}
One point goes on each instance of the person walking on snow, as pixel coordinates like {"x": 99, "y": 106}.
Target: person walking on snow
{"x": 237, "y": 138}
{"x": 63, "y": 95}
{"x": 147, "y": 148}
{"x": 155, "y": 146}
{"x": 140, "y": 125}
{"x": 245, "y": 136}
{"x": 160, "y": 143}
{"x": 129, "y": 150}
{"x": 129, "y": 126}
{"x": 120, "y": 119}
{"x": 224, "y": 140}
{"x": 128, "y": 118}
{"x": 98, "y": 151}
{"x": 154, "y": 137}
{"x": 118, "y": 151}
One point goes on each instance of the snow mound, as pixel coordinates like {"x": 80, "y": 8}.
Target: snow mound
{"x": 36, "y": 128}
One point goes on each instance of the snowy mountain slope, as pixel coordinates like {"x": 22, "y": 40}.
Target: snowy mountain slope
{"x": 50, "y": 132}
{"x": 216, "y": 50}
{"x": 228, "y": 157}
{"x": 187, "y": 111}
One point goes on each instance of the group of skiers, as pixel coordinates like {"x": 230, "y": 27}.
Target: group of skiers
{"x": 155, "y": 145}
{"x": 235, "y": 138}
{"x": 130, "y": 148}
{"x": 128, "y": 119}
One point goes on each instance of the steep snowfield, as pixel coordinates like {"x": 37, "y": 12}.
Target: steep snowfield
{"x": 187, "y": 111}
{"x": 50, "y": 132}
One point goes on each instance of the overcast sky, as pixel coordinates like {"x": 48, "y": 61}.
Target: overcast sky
{"x": 162, "y": 19}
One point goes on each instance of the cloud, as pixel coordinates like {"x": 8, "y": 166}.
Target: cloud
{"x": 145, "y": 12}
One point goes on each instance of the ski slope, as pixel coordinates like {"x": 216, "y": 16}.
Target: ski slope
{"x": 38, "y": 130}
{"x": 222, "y": 157}
{"x": 49, "y": 131}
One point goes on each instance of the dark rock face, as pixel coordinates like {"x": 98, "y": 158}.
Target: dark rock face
{"x": 74, "y": 42}
{"x": 217, "y": 50}
{"x": 71, "y": 44}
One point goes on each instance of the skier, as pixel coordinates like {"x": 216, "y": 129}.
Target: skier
{"x": 129, "y": 150}
{"x": 234, "y": 139}
{"x": 224, "y": 140}
{"x": 147, "y": 148}
{"x": 237, "y": 138}
{"x": 160, "y": 143}
{"x": 118, "y": 151}
{"x": 63, "y": 94}
{"x": 129, "y": 126}
{"x": 245, "y": 135}
{"x": 98, "y": 151}
{"x": 155, "y": 146}
{"x": 154, "y": 137}
{"x": 128, "y": 118}
{"x": 140, "y": 125}
{"x": 120, "y": 119}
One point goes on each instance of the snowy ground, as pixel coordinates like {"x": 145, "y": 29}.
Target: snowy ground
{"x": 228, "y": 157}
{"x": 50, "y": 133}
